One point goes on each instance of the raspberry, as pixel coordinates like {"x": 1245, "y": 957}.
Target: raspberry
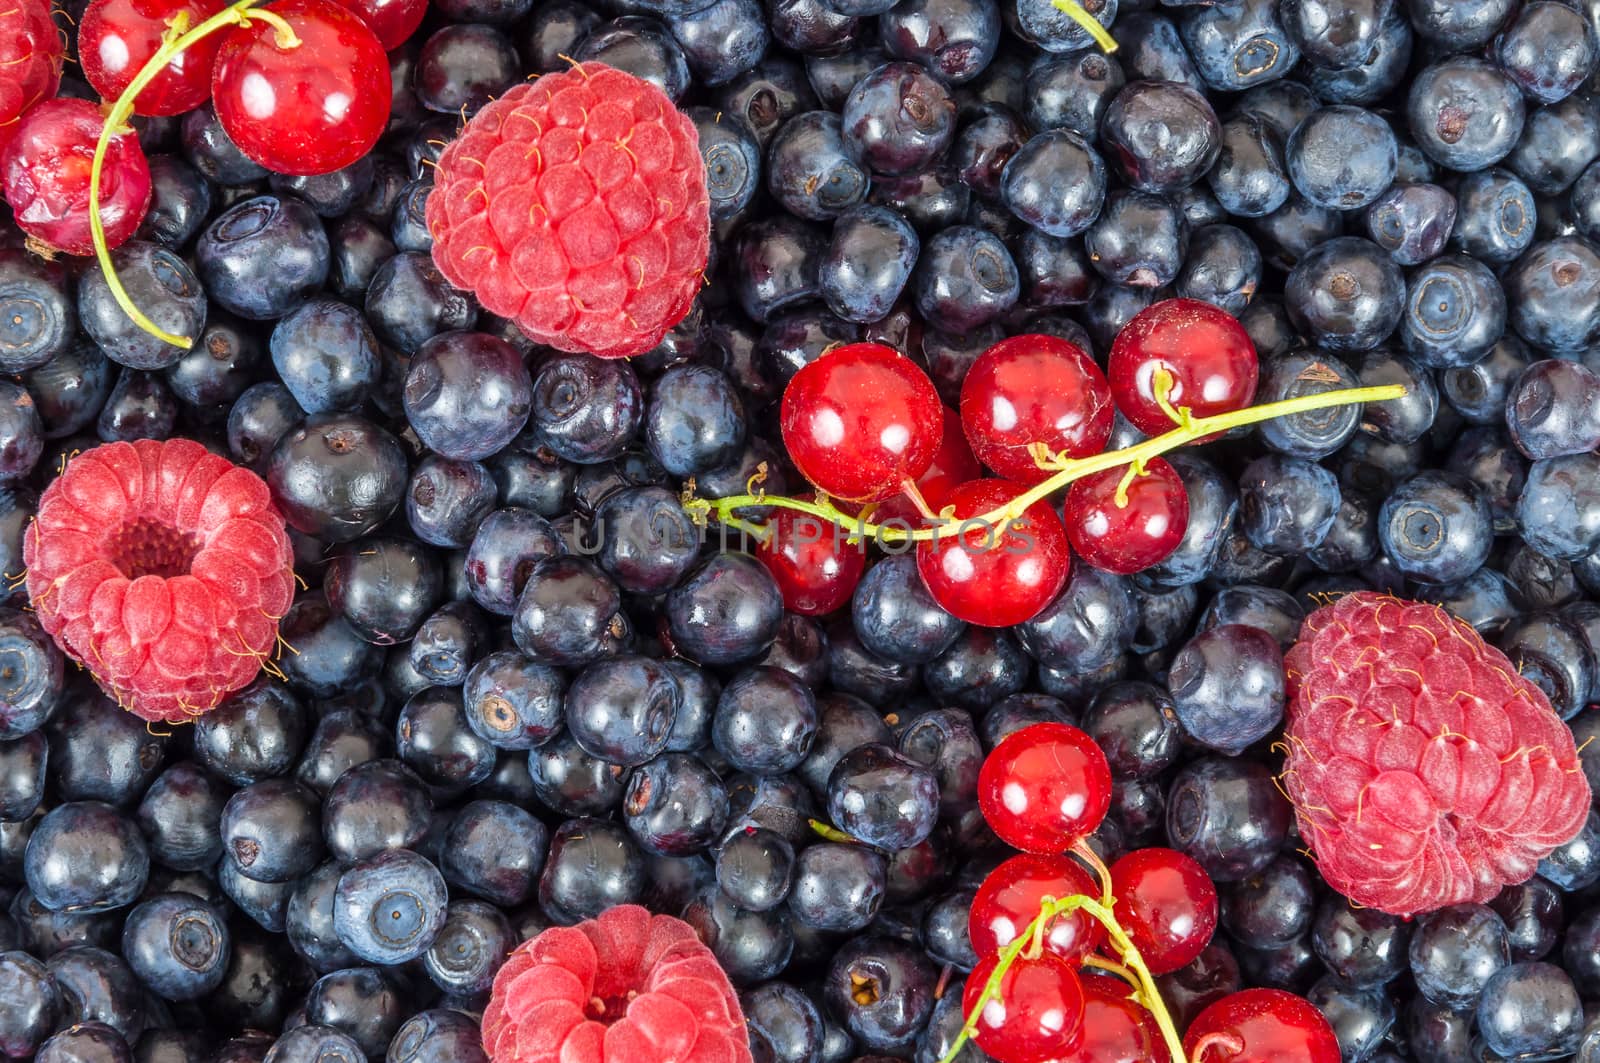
{"x": 626, "y": 987}
{"x": 577, "y": 206}
{"x": 31, "y": 48}
{"x": 1423, "y": 769}
{"x": 163, "y": 570}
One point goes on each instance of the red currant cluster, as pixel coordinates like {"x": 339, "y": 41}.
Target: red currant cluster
{"x": 865, "y": 426}
{"x": 301, "y": 89}
{"x": 1066, "y": 964}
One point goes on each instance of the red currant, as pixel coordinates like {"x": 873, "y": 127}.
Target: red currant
{"x": 952, "y": 466}
{"x": 860, "y": 421}
{"x": 995, "y": 578}
{"x": 1207, "y": 353}
{"x": 816, "y": 567}
{"x": 1261, "y": 1026}
{"x": 309, "y": 108}
{"x": 1034, "y": 389}
{"x": 1129, "y": 536}
{"x": 1116, "y": 1028}
{"x": 1167, "y": 904}
{"x": 1013, "y": 893}
{"x": 1037, "y": 1015}
{"x": 1045, "y": 787}
{"x": 31, "y": 50}
{"x": 46, "y": 172}
{"x": 116, "y": 38}
{"x": 392, "y": 20}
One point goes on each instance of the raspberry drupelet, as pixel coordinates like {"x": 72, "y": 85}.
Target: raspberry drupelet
{"x": 163, "y": 569}
{"x": 576, "y": 205}
{"x": 1423, "y": 769}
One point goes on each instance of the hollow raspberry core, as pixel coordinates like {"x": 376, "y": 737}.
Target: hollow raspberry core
{"x": 162, "y": 569}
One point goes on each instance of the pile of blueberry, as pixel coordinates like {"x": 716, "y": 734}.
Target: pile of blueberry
{"x": 521, "y": 684}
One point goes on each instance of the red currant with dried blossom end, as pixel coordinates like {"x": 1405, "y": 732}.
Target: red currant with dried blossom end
{"x": 1129, "y": 534}
{"x": 989, "y": 576}
{"x": 1167, "y": 904}
{"x": 1012, "y": 895}
{"x": 952, "y": 466}
{"x": 812, "y": 560}
{"x": 1045, "y": 788}
{"x": 1034, "y": 389}
{"x": 1206, "y": 352}
{"x": 46, "y": 172}
{"x": 309, "y": 107}
{"x": 1116, "y": 1028}
{"x": 1036, "y": 1015}
{"x": 392, "y": 20}
{"x": 861, "y": 421}
{"x": 116, "y": 38}
{"x": 1261, "y": 1026}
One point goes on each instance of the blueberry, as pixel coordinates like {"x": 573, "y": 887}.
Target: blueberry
{"x": 755, "y": 868}
{"x": 1495, "y": 215}
{"x": 1227, "y": 687}
{"x": 161, "y": 285}
{"x": 965, "y": 277}
{"x": 467, "y": 394}
{"x": 1249, "y": 179}
{"x": 809, "y": 169}
{"x": 1435, "y": 527}
{"x": 271, "y": 830}
{"x": 868, "y": 262}
{"x": 337, "y": 476}
{"x": 1056, "y": 183}
{"x": 882, "y": 798}
{"x": 1071, "y": 91}
{"x": 727, "y": 610}
{"x": 1455, "y": 951}
{"x": 1559, "y": 509}
{"x": 1139, "y": 240}
{"x": 408, "y": 301}
{"x": 1360, "y": 1018}
{"x": 438, "y": 1035}
{"x": 732, "y": 157}
{"x": 1287, "y": 505}
{"x": 390, "y": 907}
{"x": 263, "y": 257}
{"x": 1227, "y": 814}
{"x": 1271, "y": 908}
{"x": 883, "y": 989}
{"x": 1412, "y": 221}
{"x": 178, "y": 945}
{"x": 37, "y": 316}
{"x": 384, "y": 588}
{"x": 32, "y": 1002}
{"x": 1238, "y": 46}
{"x": 838, "y": 888}
{"x": 1362, "y": 947}
{"x": 87, "y": 857}
{"x": 179, "y": 817}
{"x": 1548, "y": 50}
{"x": 622, "y": 709}
{"x": 360, "y": 1001}
{"x": 89, "y": 1042}
{"x": 1160, "y": 135}
{"x": 31, "y": 680}
{"x": 765, "y": 721}
{"x": 1550, "y": 293}
{"x": 1558, "y": 142}
{"x": 1530, "y": 1009}
{"x": 898, "y": 119}
{"x": 1346, "y": 296}
{"x": 572, "y": 782}
{"x": 1553, "y": 409}
{"x": 592, "y": 865}
{"x": 694, "y": 421}
{"x": 896, "y": 618}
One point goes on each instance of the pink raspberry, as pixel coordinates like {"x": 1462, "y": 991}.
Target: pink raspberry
{"x": 628, "y": 987}
{"x": 576, "y": 205}
{"x": 1423, "y": 769}
{"x": 162, "y": 569}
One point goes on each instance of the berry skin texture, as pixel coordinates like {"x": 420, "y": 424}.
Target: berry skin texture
{"x": 990, "y": 577}
{"x": 116, "y": 38}
{"x": 1261, "y": 1026}
{"x": 1044, "y": 788}
{"x": 307, "y": 109}
{"x": 31, "y": 50}
{"x": 625, "y": 986}
{"x": 46, "y": 172}
{"x": 163, "y": 570}
{"x": 576, "y": 205}
{"x": 860, "y": 421}
{"x": 1167, "y": 904}
{"x": 1424, "y": 770}
{"x": 1207, "y": 353}
{"x": 1034, "y": 389}
{"x": 1036, "y": 1015}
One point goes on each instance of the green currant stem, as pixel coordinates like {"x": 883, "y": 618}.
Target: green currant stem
{"x": 1027, "y": 943}
{"x": 177, "y": 38}
{"x": 1076, "y": 12}
{"x": 1188, "y": 431}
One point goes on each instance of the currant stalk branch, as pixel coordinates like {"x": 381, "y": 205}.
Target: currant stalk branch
{"x": 177, "y": 38}
{"x": 1189, "y": 429}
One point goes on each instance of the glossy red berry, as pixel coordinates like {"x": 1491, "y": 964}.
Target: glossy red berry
{"x": 31, "y": 50}
{"x": 812, "y": 560}
{"x": 309, "y": 108}
{"x": 1127, "y": 535}
{"x": 46, "y": 171}
{"x": 860, "y": 421}
{"x": 1045, "y": 787}
{"x": 1261, "y": 1026}
{"x": 1036, "y": 1015}
{"x": 1116, "y": 1028}
{"x": 1012, "y": 895}
{"x": 1206, "y": 351}
{"x": 991, "y": 577}
{"x": 1034, "y": 389}
{"x": 116, "y": 38}
{"x": 1167, "y": 904}
{"x": 952, "y": 466}
{"x": 392, "y": 20}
